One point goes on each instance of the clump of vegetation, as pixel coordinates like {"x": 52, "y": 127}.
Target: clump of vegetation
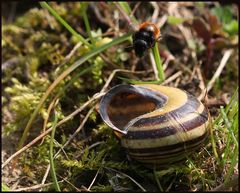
{"x": 56, "y": 62}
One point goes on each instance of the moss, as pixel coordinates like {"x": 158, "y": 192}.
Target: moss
{"x": 34, "y": 50}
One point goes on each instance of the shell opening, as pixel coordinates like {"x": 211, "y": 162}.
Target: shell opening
{"x": 123, "y": 105}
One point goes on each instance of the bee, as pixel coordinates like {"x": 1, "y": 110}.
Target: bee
{"x": 145, "y": 38}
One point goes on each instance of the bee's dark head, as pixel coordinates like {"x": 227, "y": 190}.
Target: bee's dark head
{"x": 140, "y": 47}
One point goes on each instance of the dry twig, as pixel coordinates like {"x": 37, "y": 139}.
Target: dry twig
{"x": 173, "y": 77}
{"x": 95, "y": 177}
{"x": 134, "y": 181}
{"x": 154, "y": 66}
{"x": 155, "y": 12}
{"x": 223, "y": 62}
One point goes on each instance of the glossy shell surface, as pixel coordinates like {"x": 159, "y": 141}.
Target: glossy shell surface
{"x": 156, "y": 124}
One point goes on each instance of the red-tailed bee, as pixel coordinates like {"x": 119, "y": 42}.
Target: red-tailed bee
{"x": 145, "y": 38}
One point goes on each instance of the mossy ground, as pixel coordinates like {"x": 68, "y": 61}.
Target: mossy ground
{"x": 37, "y": 49}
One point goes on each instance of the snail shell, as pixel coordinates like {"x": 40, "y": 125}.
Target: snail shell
{"x": 157, "y": 125}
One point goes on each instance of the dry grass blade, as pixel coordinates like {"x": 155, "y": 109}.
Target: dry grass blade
{"x": 156, "y": 12}
{"x": 173, "y": 77}
{"x": 36, "y": 187}
{"x": 89, "y": 188}
{"x": 154, "y": 66}
{"x": 62, "y": 76}
{"x": 47, "y": 117}
{"x": 95, "y": 97}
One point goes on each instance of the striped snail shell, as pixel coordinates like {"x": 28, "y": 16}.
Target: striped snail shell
{"x": 157, "y": 125}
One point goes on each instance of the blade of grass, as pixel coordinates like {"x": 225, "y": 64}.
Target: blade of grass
{"x": 52, "y": 168}
{"x": 212, "y": 138}
{"x": 228, "y": 107}
{"x": 158, "y": 62}
{"x": 125, "y": 14}
{"x": 159, "y": 68}
{"x": 157, "y": 180}
{"x": 64, "y": 23}
{"x": 74, "y": 78}
{"x": 229, "y": 125}
{"x": 89, "y": 55}
{"x": 227, "y": 117}
{"x": 234, "y": 161}
{"x": 86, "y": 21}
{"x": 233, "y": 98}
{"x": 135, "y": 182}
{"x": 226, "y": 150}
{"x": 232, "y": 103}
{"x": 127, "y": 9}
{"x": 61, "y": 92}
{"x": 131, "y": 81}
{"x": 5, "y": 188}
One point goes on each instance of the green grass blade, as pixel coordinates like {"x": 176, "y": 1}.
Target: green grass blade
{"x": 74, "y": 78}
{"x": 158, "y": 62}
{"x": 231, "y": 122}
{"x": 131, "y": 81}
{"x": 89, "y": 55}
{"x": 64, "y": 23}
{"x": 127, "y": 9}
{"x": 226, "y": 151}
{"x": 175, "y": 20}
{"x": 5, "y": 188}
{"x": 213, "y": 142}
{"x": 229, "y": 118}
{"x": 234, "y": 98}
{"x": 228, "y": 125}
{"x": 52, "y": 168}
{"x": 157, "y": 180}
{"x": 234, "y": 161}
{"x": 86, "y": 21}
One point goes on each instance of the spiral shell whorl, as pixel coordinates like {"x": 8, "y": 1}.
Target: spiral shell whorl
{"x": 157, "y": 124}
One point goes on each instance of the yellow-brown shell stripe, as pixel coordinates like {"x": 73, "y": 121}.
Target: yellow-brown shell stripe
{"x": 189, "y": 116}
{"x": 149, "y": 144}
{"x": 167, "y": 151}
{"x": 166, "y": 155}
